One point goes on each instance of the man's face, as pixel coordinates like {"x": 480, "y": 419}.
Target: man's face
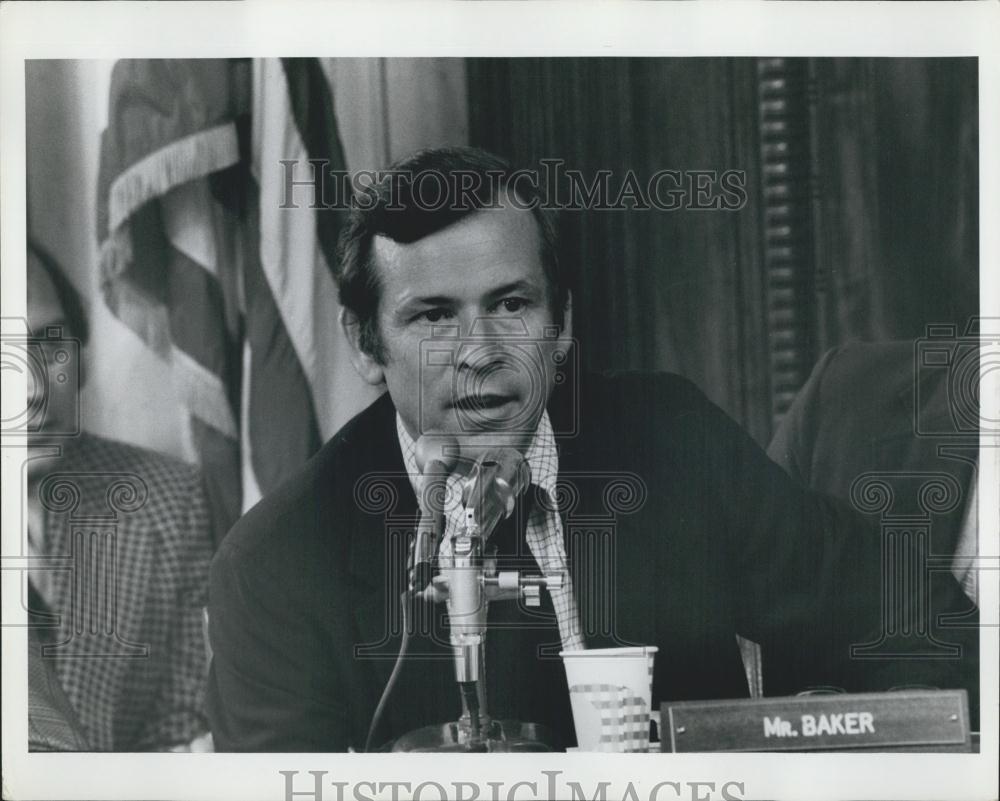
{"x": 45, "y": 311}
{"x": 467, "y": 329}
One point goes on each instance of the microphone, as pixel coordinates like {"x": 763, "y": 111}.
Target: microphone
{"x": 488, "y": 495}
{"x": 436, "y": 458}
{"x": 496, "y": 480}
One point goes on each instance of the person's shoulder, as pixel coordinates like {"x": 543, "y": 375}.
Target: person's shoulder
{"x": 634, "y": 412}
{"x": 141, "y": 484}
{"x": 638, "y": 391}
{"x": 103, "y": 454}
{"x": 879, "y": 366}
{"x": 317, "y": 493}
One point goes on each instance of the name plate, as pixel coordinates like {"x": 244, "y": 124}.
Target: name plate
{"x": 911, "y": 720}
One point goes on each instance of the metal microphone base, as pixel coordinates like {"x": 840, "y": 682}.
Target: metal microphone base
{"x": 497, "y": 736}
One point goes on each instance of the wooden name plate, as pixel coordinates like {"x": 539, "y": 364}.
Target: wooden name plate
{"x": 911, "y": 720}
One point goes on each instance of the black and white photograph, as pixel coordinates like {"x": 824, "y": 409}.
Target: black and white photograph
{"x": 513, "y": 401}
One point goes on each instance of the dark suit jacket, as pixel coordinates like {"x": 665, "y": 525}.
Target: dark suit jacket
{"x": 857, "y": 414}
{"x": 703, "y": 537}
{"x": 870, "y": 408}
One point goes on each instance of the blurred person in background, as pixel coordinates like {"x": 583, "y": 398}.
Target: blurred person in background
{"x": 121, "y": 543}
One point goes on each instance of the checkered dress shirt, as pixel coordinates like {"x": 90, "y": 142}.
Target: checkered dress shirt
{"x": 544, "y": 532}
{"x": 142, "y": 687}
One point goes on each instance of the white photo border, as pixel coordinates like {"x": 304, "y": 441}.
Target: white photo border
{"x": 256, "y": 28}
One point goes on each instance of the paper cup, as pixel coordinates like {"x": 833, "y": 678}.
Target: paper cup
{"x": 611, "y": 692}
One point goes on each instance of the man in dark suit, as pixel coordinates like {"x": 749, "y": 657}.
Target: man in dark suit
{"x": 675, "y": 528}
{"x": 872, "y": 407}
{"x": 880, "y": 413}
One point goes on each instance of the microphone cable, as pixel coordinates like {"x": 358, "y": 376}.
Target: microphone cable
{"x": 404, "y": 599}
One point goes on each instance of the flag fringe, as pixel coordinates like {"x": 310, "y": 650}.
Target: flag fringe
{"x": 203, "y": 393}
{"x": 202, "y": 390}
{"x": 143, "y": 314}
{"x": 187, "y": 159}
{"x": 194, "y": 156}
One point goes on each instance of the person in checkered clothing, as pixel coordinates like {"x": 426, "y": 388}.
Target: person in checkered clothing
{"x": 121, "y": 544}
{"x": 674, "y": 527}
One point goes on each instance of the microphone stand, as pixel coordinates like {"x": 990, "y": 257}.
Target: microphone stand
{"x": 468, "y": 586}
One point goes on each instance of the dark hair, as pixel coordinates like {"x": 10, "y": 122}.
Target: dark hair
{"x": 467, "y": 180}
{"x": 69, "y": 298}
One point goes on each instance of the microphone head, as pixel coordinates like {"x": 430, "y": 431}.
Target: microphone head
{"x": 440, "y": 448}
{"x": 497, "y": 477}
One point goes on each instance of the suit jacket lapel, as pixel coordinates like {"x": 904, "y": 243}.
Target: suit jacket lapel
{"x": 383, "y": 497}
{"x": 382, "y": 518}
{"x": 383, "y": 512}
{"x": 585, "y": 458}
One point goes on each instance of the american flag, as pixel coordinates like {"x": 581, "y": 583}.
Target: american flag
{"x": 202, "y": 257}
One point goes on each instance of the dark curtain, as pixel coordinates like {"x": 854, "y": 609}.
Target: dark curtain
{"x": 896, "y": 143}
{"x": 860, "y": 220}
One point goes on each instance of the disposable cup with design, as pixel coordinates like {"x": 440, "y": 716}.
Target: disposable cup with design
{"x": 611, "y": 692}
